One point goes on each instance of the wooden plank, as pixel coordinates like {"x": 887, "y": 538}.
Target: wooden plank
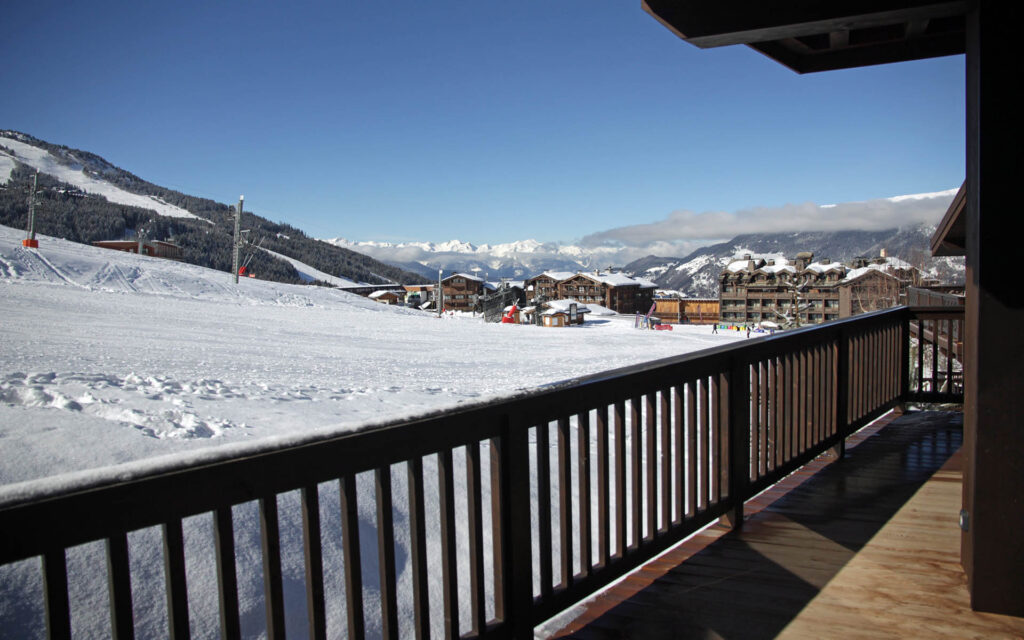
{"x": 620, "y": 479}
{"x": 565, "y": 522}
{"x": 352, "y": 557}
{"x": 603, "y": 484}
{"x": 119, "y": 583}
{"x": 544, "y": 529}
{"x": 55, "y": 588}
{"x": 651, "y": 466}
{"x": 474, "y": 508}
{"x": 583, "y": 465}
{"x": 449, "y": 568}
{"x": 386, "y": 554}
{"x": 273, "y": 587}
{"x": 174, "y": 578}
{"x": 704, "y": 460}
{"x": 664, "y": 411}
{"x": 679, "y": 468}
{"x": 635, "y": 482}
{"x": 227, "y": 581}
{"x": 418, "y": 548}
{"x": 692, "y": 457}
{"x": 315, "y": 605}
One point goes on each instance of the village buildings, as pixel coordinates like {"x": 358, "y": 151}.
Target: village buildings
{"x": 616, "y": 291}
{"x": 155, "y": 248}
{"x": 461, "y": 291}
{"x": 773, "y": 289}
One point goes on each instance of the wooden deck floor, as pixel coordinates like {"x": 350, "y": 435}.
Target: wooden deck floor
{"x": 864, "y": 548}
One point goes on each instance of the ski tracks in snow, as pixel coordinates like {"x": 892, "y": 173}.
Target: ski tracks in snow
{"x": 161, "y": 407}
{"x": 156, "y": 406}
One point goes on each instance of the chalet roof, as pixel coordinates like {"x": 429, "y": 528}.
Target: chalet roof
{"x": 622, "y": 280}
{"x": 382, "y": 293}
{"x": 782, "y": 265}
{"x": 557, "y": 276}
{"x": 563, "y": 305}
{"x": 825, "y": 267}
{"x": 860, "y": 272}
{"x": 463, "y": 275}
{"x": 820, "y": 36}
{"x": 950, "y": 237}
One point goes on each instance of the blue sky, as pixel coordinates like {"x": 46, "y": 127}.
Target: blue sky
{"x": 483, "y": 121}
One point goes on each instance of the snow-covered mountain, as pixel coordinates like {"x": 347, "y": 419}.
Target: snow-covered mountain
{"x": 518, "y": 260}
{"x": 84, "y": 198}
{"x": 696, "y": 275}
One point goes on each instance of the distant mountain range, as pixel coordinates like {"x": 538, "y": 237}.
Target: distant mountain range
{"x": 84, "y": 198}
{"x": 516, "y": 260}
{"x": 695, "y": 275}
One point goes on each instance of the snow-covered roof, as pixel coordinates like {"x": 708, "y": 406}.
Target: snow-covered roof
{"x": 645, "y": 283}
{"x": 860, "y": 272}
{"x": 563, "y": 305}
{"x": 466, "y": 276}
{"x": 738, "y": 265}
{"x": 778, "y": 268}
{"x": 557, "y": 276}
{"x": 382, "y": 293}
{"x": 621, "y": 280}
{"x": 822, "y": 267}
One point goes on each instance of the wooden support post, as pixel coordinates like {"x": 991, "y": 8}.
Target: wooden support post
{"x": 516, "y": 553}
{"x": 736, "y": 418}
{"x": 992, "y": 545}
{"x": 842, "y": 421}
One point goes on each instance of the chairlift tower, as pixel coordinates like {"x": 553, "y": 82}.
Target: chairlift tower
{"x": 237, "y": 238}
{"x": 30, "y": 232}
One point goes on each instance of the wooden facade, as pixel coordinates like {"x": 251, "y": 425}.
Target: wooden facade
{"x": 154, "y": 248}
{"x": 461, "y": 291}
{"x": 629, "y": 298}
{"x": 584, "y": 288}
{"x": 544, "y": 287}
{"x": 687, "y": 310}
{"x": 388, "y": 297}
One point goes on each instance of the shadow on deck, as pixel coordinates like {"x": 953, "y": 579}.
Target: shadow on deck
{"x": 867, "y": 546}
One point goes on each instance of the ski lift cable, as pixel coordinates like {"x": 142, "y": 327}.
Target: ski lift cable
{"x": 252, "y": 252}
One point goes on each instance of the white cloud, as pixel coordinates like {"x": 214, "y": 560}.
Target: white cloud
{"x": 690, "y": 229}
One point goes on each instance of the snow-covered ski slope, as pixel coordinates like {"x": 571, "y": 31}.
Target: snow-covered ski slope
{"x": 113, "y": 364}
{"x": 309, "y": 274}
{"x": 108, "y": 357}
{"x": 45, "y": 162}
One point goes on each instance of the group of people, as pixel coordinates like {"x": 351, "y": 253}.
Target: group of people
{"x": 736, "y": 327}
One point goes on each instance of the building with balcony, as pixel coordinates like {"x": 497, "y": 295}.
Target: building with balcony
{"x": 803, "y": 292}
{"x": 461, "y": 291}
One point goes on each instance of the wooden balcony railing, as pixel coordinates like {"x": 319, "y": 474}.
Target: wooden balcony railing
{"x": 565, "y": 488}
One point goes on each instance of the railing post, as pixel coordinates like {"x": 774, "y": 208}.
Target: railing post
{"x": 905, "y": 360}
{"x": 842, "y": 393}
{"x": 516, "y": 551}
{"x": 737, "y": 421}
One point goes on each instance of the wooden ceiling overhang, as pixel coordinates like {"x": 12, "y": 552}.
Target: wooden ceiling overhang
{"x": 810, "y": 35}
{"x": 950, "y": 237}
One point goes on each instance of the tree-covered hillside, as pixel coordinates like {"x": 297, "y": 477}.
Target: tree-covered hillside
{"x": 64, "y": 211}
